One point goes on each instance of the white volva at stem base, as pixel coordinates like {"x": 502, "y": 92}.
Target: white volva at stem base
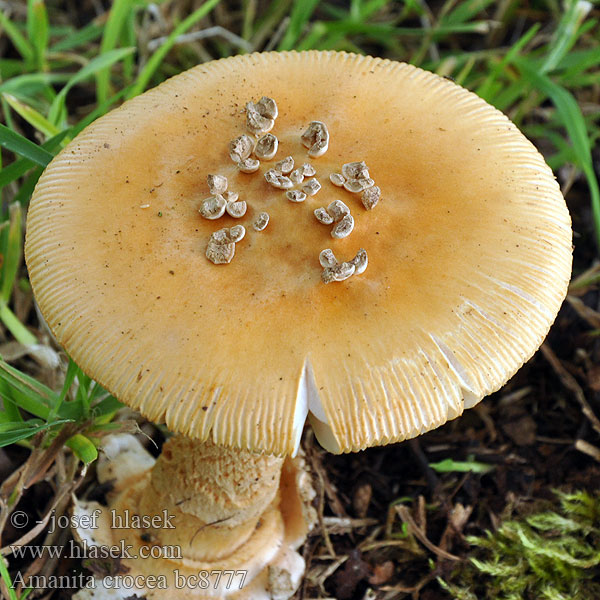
{"x": 202, "y": 521}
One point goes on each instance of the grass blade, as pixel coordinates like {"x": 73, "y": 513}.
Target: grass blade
{"x": 22, "y": 146}
{"x": 9, "y": 412}
{"x": 117, "y": 18}
{"x": 15, "y": 432}
{"x": 14, "y": 325}
{"x": 37, "y": 30}
{"x": 23, "y": 47}
{"x": 576, "y": 64}
{"x": 465, "y": 11}
{"x": 26, "y": 392}
{"x": 6, "y": 578}
{"x": 484, "y": 90}
{"x": 32, "y": 81}
{"x": 105, "y": 409}
{"x": 154, "y": 61}
{"x": 10, "y": 67}
{"x": 268, "y": 22}
{"x": 452, "y": 466}
{"x": 32, "y": 396}
{"x": 83, "y": 448}
{"x": 69, "y": 378}
{"x": 572, "y": 120}
{"x": 32, "y": 116}
{"x": 567, "y": 32}
{"x": 78, "y": 38}
{"x": 20, "y": 167}
{"x": 371, "y": 7}
{"x": 92, "y": 68}
{"x": 567, "y": 108}
{"x": 301, "y": 13}
{"x": 11, "y": 251}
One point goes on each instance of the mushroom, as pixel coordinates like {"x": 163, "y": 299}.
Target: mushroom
{"x": 469, "y": 257}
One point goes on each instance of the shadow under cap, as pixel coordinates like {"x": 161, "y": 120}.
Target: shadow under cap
{"x": 469, "y": 255}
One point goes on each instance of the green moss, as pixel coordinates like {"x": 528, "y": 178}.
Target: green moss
{"x": 553, "y": 555}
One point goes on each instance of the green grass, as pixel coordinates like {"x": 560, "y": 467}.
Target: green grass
{"x": 543, "y": 77}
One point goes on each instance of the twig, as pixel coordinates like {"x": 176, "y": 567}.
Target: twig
{"x": 216, "y": 31}
{"x": 279, "y": 32}
{"x": 320, "y": 517}
{"x": 588, "y": 449}
{"x": 341, "y": 524}
{"x": 571, "y": 384}
{"x": 67, "y": 465}
{"x": 415, "y": 448}
{"x": 588, "y": 314}
{"x": 41, "y": 525}
{"x": 406, "y": 517}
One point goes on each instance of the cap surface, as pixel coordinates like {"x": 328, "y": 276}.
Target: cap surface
{"x": 469, "y": 255}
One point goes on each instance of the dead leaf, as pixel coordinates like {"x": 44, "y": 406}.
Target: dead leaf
{"x": 522, "y": 431}
{"x": 347, "y": 579}
{"x": 362, "y": 499}
{"x": 382, "y": 573}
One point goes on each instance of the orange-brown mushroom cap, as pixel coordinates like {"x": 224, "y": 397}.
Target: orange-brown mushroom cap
{"x": 469, "y": 255}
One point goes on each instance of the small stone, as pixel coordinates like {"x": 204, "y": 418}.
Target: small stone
{"x": 339, "y": 272}
{"x": 220, "y": 254}
{"x": 343, "y": 228}
{"x": 311, "y": 187}
{"x": 297, "y": 176}
{"x": 360, "y": 261}
{"x": 370, "y": 197}
{"x": 248, "y": 165}
{"x": 286, "y": 165}
{"x": 241, "y": 148}
{"x": 213, "y": 208}
{"x": 221, "y": 246}
{"x": 316, "y": 139}
{"x": 261, "y": 221}
{"x": 272, "y": 176}
{"x": 257, "y": 123}
{"x": 327, "y": 258}
{"x": 308, "y": 170}
{"x": 231, "y": 196}
{"x": 236, "y": 209}
{"x": 277, "y": 180}
{"x": 338, "y": 210}
{"x": 337, "y": 179}
{"x": 221, "y": 236}
{"x": 323, "y": 216}
{"x": 358, "y": 185}
{"x": 266, "y": 147}
{"x": 355, "y": 170}
{"x": 228, "y": 235}
{"x": 295, "y": 196}
{"x": 217, "y": 184}
{"x": 267, "y": 107}
{"x": 237, "y": 233}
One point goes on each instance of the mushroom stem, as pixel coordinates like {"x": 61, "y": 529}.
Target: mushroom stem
{"x": 215, "y": 495}
{"x": 213, "y": 509}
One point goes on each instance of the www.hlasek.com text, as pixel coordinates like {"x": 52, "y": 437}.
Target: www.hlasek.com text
{"x": 84, "y": 550}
